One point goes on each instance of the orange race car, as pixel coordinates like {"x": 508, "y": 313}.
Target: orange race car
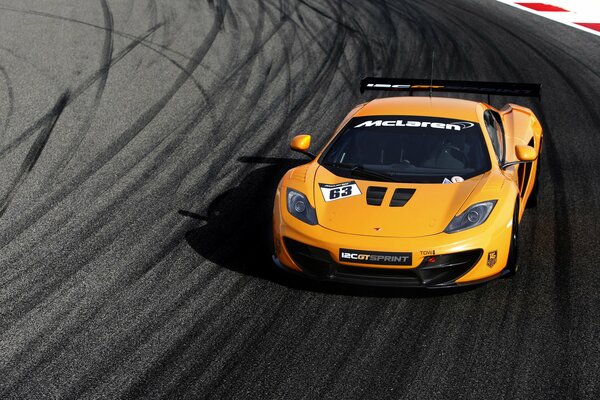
{"x": 413, "y": 191}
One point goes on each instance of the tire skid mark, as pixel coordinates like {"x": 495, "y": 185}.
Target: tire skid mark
{"x": 43, "y": 71}
{"x": 128, "y": 12}
{"x": 83, "y": 175}
{"x": 287, "y": 40}
{"x": 324, "y": 71}
{"x": 152, "y": 10}
{"x": 49, "y": 339}
{"x": 253, "y": 54}
{"x": 179, "y": 302}
{"x": 141, "y": 122}
{"x": 398, "y": 363}
{"x": 357, "y": 335}
{"x": 74, "y": 94}
{"x": 239, "y": 81}
{"x": 34, "y": 153}
{"x": 233, "y": 103}
{"x": 11, "y": 102}
{"x": 430, "y": 31}
{"x": 232, "y": 74}
{"x": 181, "y": 346}
{"x": 256, "y": 53}
{"x": 145, "y": 42}
{"x": 286, "y": 14}
{"x": 391, "y": 46}
{"x": 105, "y": 63}
{"x": 563, "y": 259}
{"x": 294, "y": 111}
{"x": 338, "y": 19}
{"x": 149, "y": 45}
{"x": 232, "y": 19}
{"x": 142, "y": 181}
{"x": 77, "y": 21}
{"x": 82, "y": 386}
{"x": 342, "y": 40}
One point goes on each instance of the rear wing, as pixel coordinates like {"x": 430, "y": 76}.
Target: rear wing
{"x": 438, "y": 85}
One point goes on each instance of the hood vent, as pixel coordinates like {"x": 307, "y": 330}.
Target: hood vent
{"x": 375, "y": 195}
{"x": 400, "y": 197}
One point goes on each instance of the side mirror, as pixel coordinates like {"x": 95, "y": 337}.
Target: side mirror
{"x": 301, "y": 143}
{"x": 524, "y": 154}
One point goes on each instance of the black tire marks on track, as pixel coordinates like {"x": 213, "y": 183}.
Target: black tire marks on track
{"x": 34, "y": 152}
{"x": 105, "y": 63}
{"x": 76, "y": 92}
{"x": 11, "y": 102}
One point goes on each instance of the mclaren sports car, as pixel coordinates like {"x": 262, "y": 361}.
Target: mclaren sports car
{"x": 413, "y": 191}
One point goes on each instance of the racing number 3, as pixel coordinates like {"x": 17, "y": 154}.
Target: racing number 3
{"x": 340, "y": 192}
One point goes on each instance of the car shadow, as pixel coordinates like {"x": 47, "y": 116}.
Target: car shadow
{"x": 236, "y": 234}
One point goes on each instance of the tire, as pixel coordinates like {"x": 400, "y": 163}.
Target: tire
{"x": 532, "y": 201}
{"x": 512, "y": 265}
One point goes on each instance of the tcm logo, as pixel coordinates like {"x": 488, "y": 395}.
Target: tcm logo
{"x": 456, "y": 126}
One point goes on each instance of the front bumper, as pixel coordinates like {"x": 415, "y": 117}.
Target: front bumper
{"x": 314, "y": 252}
{"x": 434, "y": 271}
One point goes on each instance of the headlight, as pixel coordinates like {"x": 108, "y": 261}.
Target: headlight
{"x": 299, "y": 207}
{"x": 472, "y": 217}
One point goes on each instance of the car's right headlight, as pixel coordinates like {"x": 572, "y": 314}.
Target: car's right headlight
{"x": 472, "y": 217}
{"x": 299, "y": 207}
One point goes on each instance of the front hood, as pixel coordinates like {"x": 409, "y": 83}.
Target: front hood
{"x": 428, "y": 210}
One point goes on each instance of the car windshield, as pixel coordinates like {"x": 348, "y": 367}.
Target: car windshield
{"x": 408, "y": 149}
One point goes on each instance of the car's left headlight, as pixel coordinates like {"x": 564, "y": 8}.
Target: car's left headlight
{"x": 472, "y": 217}
{"x": 299, "y": 207}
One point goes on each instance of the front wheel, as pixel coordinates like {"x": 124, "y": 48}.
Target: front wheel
{"x": 512, "y": 265}
{"x": 532, "y": 202}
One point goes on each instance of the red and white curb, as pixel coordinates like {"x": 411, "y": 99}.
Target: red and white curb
{"x": 580, "y": 14}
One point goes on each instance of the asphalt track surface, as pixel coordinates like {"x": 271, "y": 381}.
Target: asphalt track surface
{"x": 140, "y": 144}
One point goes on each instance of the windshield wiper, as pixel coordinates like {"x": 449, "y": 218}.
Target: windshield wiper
{"x": 339, "y": 165}
{"x": 369, "y": 173}
{"x": 359, "y": 170}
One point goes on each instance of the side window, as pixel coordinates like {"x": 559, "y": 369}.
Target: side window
{"x": 495, "y": 132}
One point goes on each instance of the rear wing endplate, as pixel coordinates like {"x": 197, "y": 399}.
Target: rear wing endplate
{"x": 437, "y": 85}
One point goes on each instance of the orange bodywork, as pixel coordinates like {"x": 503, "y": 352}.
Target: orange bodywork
{"x": 417, "y": 227}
